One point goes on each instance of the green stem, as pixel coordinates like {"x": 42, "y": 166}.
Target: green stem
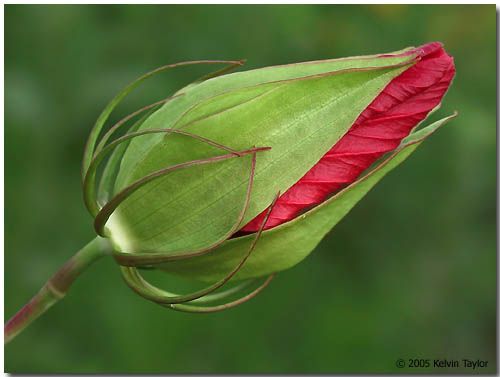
{"x": 56, "y": 287}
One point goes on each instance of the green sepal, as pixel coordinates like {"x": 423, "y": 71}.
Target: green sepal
{"x": 189, "y": 209}
{"x": 110, "y": 172}
{"x": 286, "y": 245}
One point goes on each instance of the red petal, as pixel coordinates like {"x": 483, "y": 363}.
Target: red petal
{"x": 391, "y": 116}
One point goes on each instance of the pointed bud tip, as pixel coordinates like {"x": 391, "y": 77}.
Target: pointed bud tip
{"x": 429, "y": 48}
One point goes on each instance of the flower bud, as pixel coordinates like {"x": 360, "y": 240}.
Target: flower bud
{"x": 272, "y": 154}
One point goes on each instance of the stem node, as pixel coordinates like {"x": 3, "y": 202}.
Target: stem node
{"x": 56, "y": 287}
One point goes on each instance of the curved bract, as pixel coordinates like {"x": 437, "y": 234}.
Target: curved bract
{"x": 135, "y": 281}
{"x": 103, "y": 117}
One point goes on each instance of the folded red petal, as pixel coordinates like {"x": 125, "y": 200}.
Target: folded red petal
{"x": 379, "y": 129}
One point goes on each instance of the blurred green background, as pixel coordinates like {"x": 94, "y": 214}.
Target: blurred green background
{"x": 409, "y": 273}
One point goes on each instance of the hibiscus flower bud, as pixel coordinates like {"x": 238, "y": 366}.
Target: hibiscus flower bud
{"x": 239, "y": 176}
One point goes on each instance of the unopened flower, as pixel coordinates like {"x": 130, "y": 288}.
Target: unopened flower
{"x": 193, "y": 183}
{"x": 238, "y": 176}
{"x": 305, "y": 131}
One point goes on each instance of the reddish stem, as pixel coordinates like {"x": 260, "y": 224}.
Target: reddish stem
{"x": 55, "y": 288}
